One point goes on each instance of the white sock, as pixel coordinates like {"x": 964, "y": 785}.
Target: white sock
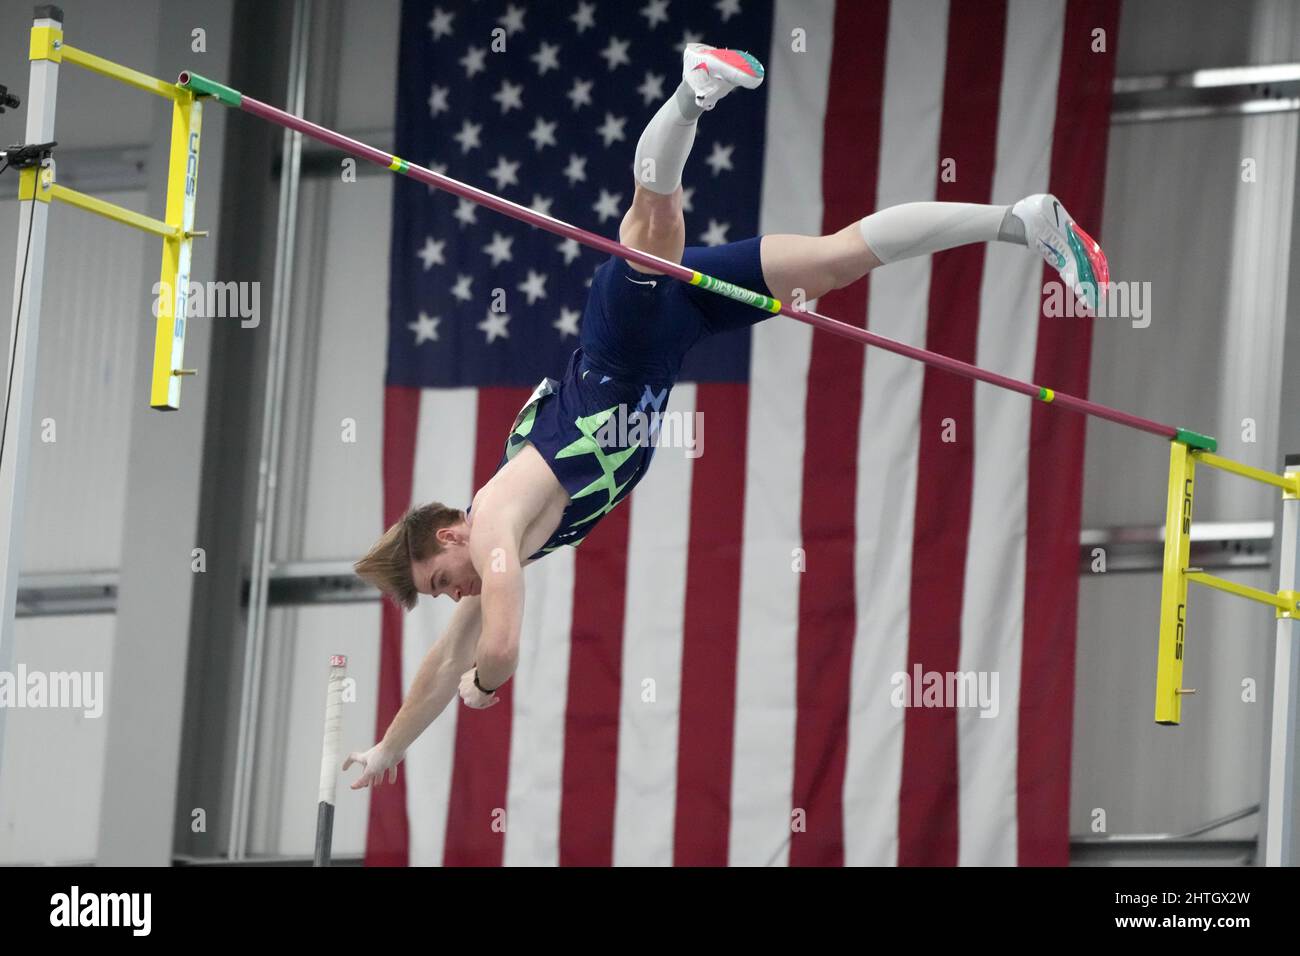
{"x": 920, "y": 228}
{"x": 666, "y": 142}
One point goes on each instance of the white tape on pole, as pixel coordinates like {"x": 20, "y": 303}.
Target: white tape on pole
{"x": 329, "y": 760}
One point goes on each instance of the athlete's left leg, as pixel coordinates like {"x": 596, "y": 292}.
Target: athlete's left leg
{"x": 810, "y": 266}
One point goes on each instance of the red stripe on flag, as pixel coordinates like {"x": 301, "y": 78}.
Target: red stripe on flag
{"x": 387, "y": 830}
{"x": 481, "y": 765}
{"x": 587, "y": 792}
{"x": 928, "y": 792}
{"x": 827, "y": 606}
{"x": 711, "y": 629}
{"x": 1056, "y": 446}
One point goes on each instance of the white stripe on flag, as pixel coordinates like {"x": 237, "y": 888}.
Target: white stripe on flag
{"x": 763, "y": 773}
{"x": 443, "y": 471}
{"x": 540, "y": 698}
{"x": 658, "y": 538}
{"x": 992, "y": 625}
{"x": 888, "y": 441}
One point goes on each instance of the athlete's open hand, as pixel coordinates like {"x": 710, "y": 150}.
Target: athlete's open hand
{"x": 375, "y": 762}
{"x": 472, "y": 696}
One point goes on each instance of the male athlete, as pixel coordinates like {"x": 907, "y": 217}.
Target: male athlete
{"x": 558, "y": 477}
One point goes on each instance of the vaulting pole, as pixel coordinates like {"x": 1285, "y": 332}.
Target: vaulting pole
{"x": 204, "y": 87}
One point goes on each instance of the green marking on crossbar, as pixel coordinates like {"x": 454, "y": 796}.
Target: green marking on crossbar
{"x": 1196, "y": 440}
{"x": 205, "y": 87}
{"x": 731, "y": 291}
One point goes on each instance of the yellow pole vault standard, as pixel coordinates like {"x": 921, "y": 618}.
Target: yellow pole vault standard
{"x": 172, "y": 294}
{"x": 1171, "y": 650}
{"x": 1173, "y": 586}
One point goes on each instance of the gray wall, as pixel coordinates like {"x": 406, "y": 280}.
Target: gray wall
{"x": 1216, "y": 251}
{"x": 116, "y": 465}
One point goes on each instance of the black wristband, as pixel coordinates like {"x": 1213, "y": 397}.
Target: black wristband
{"x": 480, "y": 686}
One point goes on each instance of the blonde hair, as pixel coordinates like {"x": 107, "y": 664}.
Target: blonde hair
{"x": 387, "y": 565}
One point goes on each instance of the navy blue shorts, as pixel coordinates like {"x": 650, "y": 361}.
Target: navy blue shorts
{"x": 596, "y": 426}
{"x": 641, "y": 326}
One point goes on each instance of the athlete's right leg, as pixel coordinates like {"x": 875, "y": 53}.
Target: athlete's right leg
{"x": 654, "y": 222}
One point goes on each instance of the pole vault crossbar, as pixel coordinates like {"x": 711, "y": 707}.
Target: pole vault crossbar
{"x": 205, "y": 87}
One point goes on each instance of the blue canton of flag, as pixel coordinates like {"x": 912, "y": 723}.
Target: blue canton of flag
{"x": 542, "y": 103}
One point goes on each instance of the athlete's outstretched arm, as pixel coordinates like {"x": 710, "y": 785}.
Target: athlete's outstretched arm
{"x": 434, "y": 686}
{"x": 494, "y": 549}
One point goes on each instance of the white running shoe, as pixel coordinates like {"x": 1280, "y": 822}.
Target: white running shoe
{"x": 713, "y": 72}
{"x": 1065, "y": 247}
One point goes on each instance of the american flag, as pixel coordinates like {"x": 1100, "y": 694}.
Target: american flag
{"x": 711, "y": 677}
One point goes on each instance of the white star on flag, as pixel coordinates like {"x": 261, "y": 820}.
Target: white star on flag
{"x": 546, "y": 57}
{"x": 607, "y": 205}
{"x": 651, "y": 88}
{"x": 584, "y": 18}
{"x": 505, "y": 173}
{"x": 509, "y": 96}
{"x": 728, "y": 9}
{"x": 612, "y": 129}
{"x": 720, "y": 158}
{"x": 440, "y": 169}
{"x": 580, "y": 93}
{"x": 570, "y": 249}
{"x": 440, "y": 23}
{"x": 438, "y": 100}
{"x": 468, "y": 136}
{"x": 472, "y": 61}
{"x": 426, "y": 329}
{"x": 461, "y": 289}
{"x": 534, "y": 286}
{"x": 431, "y": 254}
{"x": 687, "y": 195}
{"x": 466, "y": 212}
{"x": 688, "y": 37}
{"x": 716, "y": 234}
{"x": 495, "y": 326}
{"x": 541, "y": 204}
{"x": 577, "y": 168}
{"x": 567, "y": 323}
{"x": 615, "y": 53}
{"x": 512, "y": 19}
{"x": 543, "y": 133}
{"x": 655, "y": 12}
{"x": 499, "y": 248}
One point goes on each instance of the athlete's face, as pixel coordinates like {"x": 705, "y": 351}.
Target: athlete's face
{"x": 449, "y": 572}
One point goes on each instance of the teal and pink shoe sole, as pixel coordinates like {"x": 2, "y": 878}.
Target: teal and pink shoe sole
{"x": 739, "y": 60}
{"x": 1094, "y": 272}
